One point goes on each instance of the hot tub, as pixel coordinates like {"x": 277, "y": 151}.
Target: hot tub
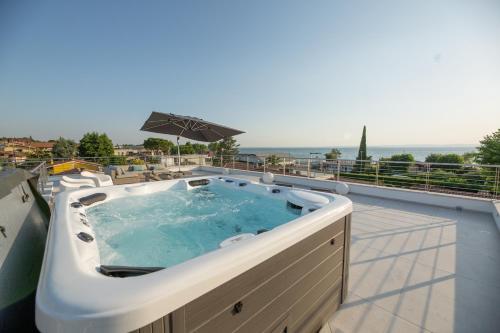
{"x": 204, "y": 254}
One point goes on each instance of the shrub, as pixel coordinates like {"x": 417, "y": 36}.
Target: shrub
{"x": 137, "y": 161}
{"x": 445, "y": 158}
{"x": 154, "y": 160}
{"x": 390, "y": 168}
{"x": 118, "y": 160}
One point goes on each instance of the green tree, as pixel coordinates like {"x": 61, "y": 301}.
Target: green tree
{"x": 273, "y": 159}
{"x": 469, "y": 157}
{"x": 226, "y": 146}
{"x": 213, "y": 147}
{"x": 200, "y": 148}
{"x": 64, "y": 148}
{"x": 387, "y": 167}
{"x": 158, "y": 145}
{"x": 187, "y": 149}
{"x": 362, "y": 147}
{"x": 489, "y": 150}
{"x": 334, "y": 154}
{"x": 401, "y": 158}
{"x": 445, "y": 158}
{"x": 94, "y": 144}
{"x": 362, "y": 154}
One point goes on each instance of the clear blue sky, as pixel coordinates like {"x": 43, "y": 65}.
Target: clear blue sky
{"x": 289, "y": 73}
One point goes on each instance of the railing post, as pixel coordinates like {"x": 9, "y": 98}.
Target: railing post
{"x": 264, "y": 164}
{"x": 377, "y": 166}
{"x": 248, "y": 163}
{"x": 284, "y": 166}
{"x": 44, "y": 177}
{"x": 233, "y": 162}
{"x": 338, "y": 170}
{"x": 497, "y": 181}
{"x": 221, "y": 161}
{"x": 427, "y": 174}
{"x": 308, "y": 168}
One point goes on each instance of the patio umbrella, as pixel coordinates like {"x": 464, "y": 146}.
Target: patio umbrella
{"x": 187, "y": 127}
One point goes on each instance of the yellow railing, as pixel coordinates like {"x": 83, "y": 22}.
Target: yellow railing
{"x": 72, "y": 165}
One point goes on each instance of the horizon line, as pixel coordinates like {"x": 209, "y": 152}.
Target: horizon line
{"x": 378, "y": 146}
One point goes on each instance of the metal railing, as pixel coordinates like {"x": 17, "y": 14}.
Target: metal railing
{"x": 462, "y": 179}
{"x": 35, "y": 166}
{"x": 41, "y": 171}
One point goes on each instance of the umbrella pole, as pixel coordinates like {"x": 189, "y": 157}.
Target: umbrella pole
{"x": 178, "y": 155}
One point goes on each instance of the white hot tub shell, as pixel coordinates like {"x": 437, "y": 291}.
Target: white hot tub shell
{"x": 73, "y": 295}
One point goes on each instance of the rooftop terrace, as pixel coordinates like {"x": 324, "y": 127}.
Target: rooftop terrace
{"x": 419, "y": 268}
{"x": 416, "y": 267}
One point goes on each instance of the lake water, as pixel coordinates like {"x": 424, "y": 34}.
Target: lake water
{"x": 420, "y": 153}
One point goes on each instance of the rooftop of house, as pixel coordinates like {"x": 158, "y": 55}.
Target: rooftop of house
{"x": 42, "y": 145}
{"x": 27, "y": 144}
{"x": 131, "y": 147}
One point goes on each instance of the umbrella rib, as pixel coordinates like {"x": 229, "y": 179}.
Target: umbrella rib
{"x": 199, "y": 126}
{"x": 184, "y": 126}
{"x": 165, "y": 123}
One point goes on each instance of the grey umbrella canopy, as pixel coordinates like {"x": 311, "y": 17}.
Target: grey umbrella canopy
{"x": 187, "y": 127}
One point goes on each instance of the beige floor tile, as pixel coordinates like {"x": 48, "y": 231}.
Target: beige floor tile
{"x": 429, "y": 267}
{"x": 358, "y": 315}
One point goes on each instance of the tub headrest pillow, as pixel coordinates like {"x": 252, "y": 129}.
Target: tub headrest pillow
{"x": 199, "y": 182}
{"x": 93, "y": 198}
{"x": 126, "y": 271}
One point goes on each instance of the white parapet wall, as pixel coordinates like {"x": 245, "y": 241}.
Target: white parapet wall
{"x": 496, "y": 213}
{"x": 428, "y": 198}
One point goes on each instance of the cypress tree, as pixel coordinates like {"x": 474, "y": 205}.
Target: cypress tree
{"x": 362, "y": 156}
{"x": 362, "y": 146}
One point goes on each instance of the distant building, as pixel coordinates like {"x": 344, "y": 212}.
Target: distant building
{"x": 333, "y": 166}
{"x": 43, "y": 145}
{"x": 19, "y": 149}
{"x": 131, "y": 150}
{"x": 259, "y": 159}
{"x": 250, "y": 158}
